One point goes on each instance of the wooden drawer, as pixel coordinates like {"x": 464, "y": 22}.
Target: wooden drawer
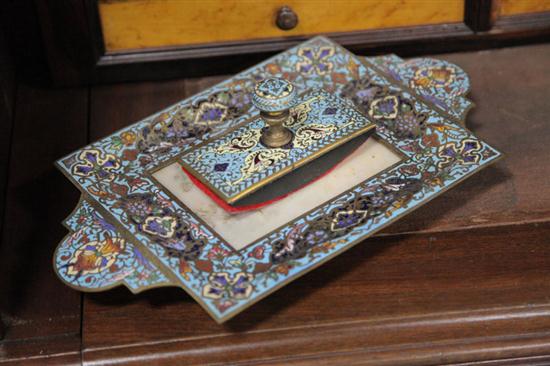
{"x": 141, "y": 24}
{"x": 517, "y": 7}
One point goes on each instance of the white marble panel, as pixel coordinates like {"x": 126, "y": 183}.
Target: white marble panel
{"x": 241, "y": 229}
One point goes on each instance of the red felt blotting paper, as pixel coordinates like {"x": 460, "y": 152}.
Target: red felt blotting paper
{"x": 237, "y": 209}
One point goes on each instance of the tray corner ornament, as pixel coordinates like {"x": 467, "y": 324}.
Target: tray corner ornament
{"x": 129, "y": 230}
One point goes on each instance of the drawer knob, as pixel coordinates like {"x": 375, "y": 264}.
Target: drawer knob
{"x": 287, "y": 19}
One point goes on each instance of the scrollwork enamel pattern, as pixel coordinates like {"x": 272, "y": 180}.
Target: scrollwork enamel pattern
{"x": 95, "y": 256}
{"x": 127, "y": 230}
{"x": 238, "y": 162}
{"x": 443, "y": 84}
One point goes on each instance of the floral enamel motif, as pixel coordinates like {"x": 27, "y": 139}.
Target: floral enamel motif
{"x": 438, "y": 77}
{"x": 385, "y": 107}
{"x": 94, "y": 257}
{"x": 315, "y": 61}
{"x": 224, "y": 285}
{"x": 465, "y": 152}
{"x": 210, "y": 113}
{"x": 95, "y": 162}
{"x": 162, "y": 226}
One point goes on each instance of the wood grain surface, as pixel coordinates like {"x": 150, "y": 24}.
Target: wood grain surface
{"x": 514, "y": 7}
{"x": 463, "y": 280}
{"x": 131, "y": 25}
{"x": 8, "y": 88}
{"x": 80, "y": 56}
{"x": 34, "y": 304}
{"x": 511, "y": 91}
{"x": 433, "y": 297}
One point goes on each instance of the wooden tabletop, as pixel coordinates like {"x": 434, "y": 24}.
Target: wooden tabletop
{"x": 464, "y": 279}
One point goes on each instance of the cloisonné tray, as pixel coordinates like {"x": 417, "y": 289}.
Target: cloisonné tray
{"x": 141, "y": 223}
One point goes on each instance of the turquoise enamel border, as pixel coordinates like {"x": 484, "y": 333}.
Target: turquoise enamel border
{"x": 128, "y": 231}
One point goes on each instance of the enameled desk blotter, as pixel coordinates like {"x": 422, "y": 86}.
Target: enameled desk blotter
{"x": 239, "y": 162}
{"x": 143, "y": 223}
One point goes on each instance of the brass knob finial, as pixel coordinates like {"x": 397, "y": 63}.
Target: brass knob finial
{"x": 274, "y": 97}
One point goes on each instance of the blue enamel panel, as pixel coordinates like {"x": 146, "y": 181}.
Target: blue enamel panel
{"x": 237, "y": 161}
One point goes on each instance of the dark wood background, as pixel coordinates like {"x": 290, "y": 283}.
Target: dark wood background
{"x": 463, "y": 280}
{"x": 67, "y": 35}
